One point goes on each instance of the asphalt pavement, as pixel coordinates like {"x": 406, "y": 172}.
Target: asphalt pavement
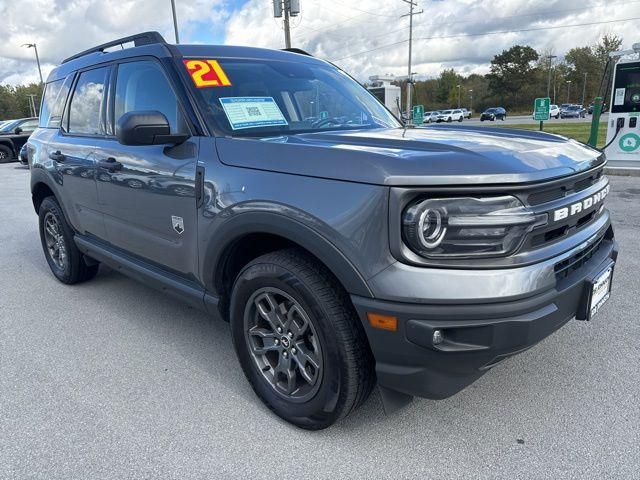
{"x": 113, "y": 380}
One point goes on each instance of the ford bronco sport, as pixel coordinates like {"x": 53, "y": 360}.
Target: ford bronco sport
{"x": 271, "y": 190}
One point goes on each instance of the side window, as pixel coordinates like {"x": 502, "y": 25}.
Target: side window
{"x": 29, "y": 126}
{"x": 143, "y": 86}
{"x": 85, "y": 112}
{"x": 55, "y": 94}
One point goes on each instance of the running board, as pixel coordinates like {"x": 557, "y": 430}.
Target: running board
{"x": 150, "y": 275}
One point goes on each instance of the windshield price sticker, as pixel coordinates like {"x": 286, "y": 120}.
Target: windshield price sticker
{"x": 252, "y": 112}
{"x": 207, "y": 73}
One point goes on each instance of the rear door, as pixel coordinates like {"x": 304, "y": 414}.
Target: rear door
{"x": 69, "y": 152}
{"x": 149, "y": 202}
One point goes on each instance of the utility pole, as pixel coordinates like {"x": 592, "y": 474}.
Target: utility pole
{"x": 35, "y": 48}
{"x": 32, "y": 105}
{"x": 286, "y": 9}
{"x": 411, "y": 13}
{"x": 175, "y": 20}
{"x": 584, "y": 88}
{"x": 550, "y": 58}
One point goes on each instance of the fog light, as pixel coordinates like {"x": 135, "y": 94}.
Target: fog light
{"x": 438, "y": 337}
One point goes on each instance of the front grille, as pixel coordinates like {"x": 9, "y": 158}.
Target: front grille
{"x": 568, "y": 187}
{"x": 560, "y": 195}
{"x": 567, "y": 267}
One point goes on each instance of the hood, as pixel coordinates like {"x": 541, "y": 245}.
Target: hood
{"x": 423, "y": 156}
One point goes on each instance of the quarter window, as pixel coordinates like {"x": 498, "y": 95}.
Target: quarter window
{"x": 143, "y": 86}
{"x": 85, "y": 112}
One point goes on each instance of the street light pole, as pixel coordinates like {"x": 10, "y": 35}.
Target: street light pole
{"x": 550, "y": 58}
{"x": 175, "y": 20}
{"x": 35, "y": 48}
{"x": 568, "y": 89}
{"x": 470, "y": 101}
{"x": 458, "y": 87}
{"x": 584, "y": 88}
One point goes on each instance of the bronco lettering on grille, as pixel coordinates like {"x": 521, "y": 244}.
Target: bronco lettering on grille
{"x": 580, "y": 206}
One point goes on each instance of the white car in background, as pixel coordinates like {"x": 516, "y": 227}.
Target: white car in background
{"x": 430, "y": 117}
{"x": 554, "y": 112}
{"x": 451, "y": 116}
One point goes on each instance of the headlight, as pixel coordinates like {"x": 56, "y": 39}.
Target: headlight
{"x": 467, "y": 227}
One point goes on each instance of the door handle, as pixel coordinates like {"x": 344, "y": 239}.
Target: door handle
{"x": 110, "y": 164}
{"x": 57, "y": 156}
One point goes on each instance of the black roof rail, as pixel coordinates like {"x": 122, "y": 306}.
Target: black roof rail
{"x": 139, "y": 39}
{"x": 297, "y": 50}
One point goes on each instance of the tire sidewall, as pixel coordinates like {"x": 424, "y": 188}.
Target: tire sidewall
{"x": 50, "y": 206}
{"x": 323, "y": 407}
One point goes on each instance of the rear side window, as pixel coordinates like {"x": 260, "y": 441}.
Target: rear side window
{"x": 55, "y": 95}
{"x": 85, "y": 112}
{"x": 143, "y": 86}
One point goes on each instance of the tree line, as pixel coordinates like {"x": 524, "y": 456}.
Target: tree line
{"x": 520, "y": 74}
{"x": 15, "y": 103}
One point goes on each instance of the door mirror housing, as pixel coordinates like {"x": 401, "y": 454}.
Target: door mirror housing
{"x": 146, "y": 128}
{"x": 18, "y": 131}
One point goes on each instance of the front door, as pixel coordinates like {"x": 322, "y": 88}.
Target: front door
{"x": 149, "y": 201}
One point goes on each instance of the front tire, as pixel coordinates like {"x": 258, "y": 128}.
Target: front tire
{"x": 67, "y": 263}
{"x": 299, "y": 340}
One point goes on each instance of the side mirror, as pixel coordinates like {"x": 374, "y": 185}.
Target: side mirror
{"x": 18, "y": 131}
{"x": 146, "y": 128}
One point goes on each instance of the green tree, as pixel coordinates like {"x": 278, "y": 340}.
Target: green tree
{"x": 447, "y": 82}
{"x": 511, "y": 70}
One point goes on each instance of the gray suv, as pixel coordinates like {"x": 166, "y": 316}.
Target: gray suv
{"x": 271, "y": 190}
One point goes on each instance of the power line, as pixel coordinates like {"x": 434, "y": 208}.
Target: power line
{"x": 371, "y": 13}
{"x": 332, "y": 28}
{"x": 487, "y": 33}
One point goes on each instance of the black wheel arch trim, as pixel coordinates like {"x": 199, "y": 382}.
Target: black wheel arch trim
{"x": 40, "y": 176}
{"x": 306, "y": 237}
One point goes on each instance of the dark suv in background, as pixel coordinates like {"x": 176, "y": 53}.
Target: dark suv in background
{"x": 493, "y": 114}
{"x": 271, "y": 190}
{"x": 13, "y": 135}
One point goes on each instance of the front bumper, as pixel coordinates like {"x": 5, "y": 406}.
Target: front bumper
{"x": 478, "y": 335}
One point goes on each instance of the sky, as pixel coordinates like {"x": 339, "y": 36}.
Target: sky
{"x": 364, "y": 37}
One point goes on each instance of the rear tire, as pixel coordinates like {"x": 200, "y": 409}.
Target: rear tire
{"x": 67, "y": 263}
{"x": 6, "y": 155}
{"x": 286, "y": 299}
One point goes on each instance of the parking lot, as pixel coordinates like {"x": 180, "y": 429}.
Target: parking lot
{"x": 111, "y": 379}
{"x": 527, "y": 119}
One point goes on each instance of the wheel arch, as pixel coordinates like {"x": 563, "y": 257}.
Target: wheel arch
{"x": 251, "y": 234}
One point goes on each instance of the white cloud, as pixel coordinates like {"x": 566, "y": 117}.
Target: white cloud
{"x": 61, "y": 28}
{"x": 338, "y": 30}
{"x": 330, "y": 29}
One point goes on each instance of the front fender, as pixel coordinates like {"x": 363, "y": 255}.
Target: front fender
{"x": 283, "y": 225}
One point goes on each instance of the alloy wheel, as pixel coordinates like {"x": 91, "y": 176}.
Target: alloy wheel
{"x": 283, "y": 344}
{"x": 54, "y": 239}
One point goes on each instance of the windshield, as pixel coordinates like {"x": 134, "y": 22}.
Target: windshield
{"x": 271, "y": 97}
{"x": 446, "y": 112}
{"x": 9, "y": 126}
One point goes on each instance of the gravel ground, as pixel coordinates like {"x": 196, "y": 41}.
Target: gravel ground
{"x": 111, "y": 379}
